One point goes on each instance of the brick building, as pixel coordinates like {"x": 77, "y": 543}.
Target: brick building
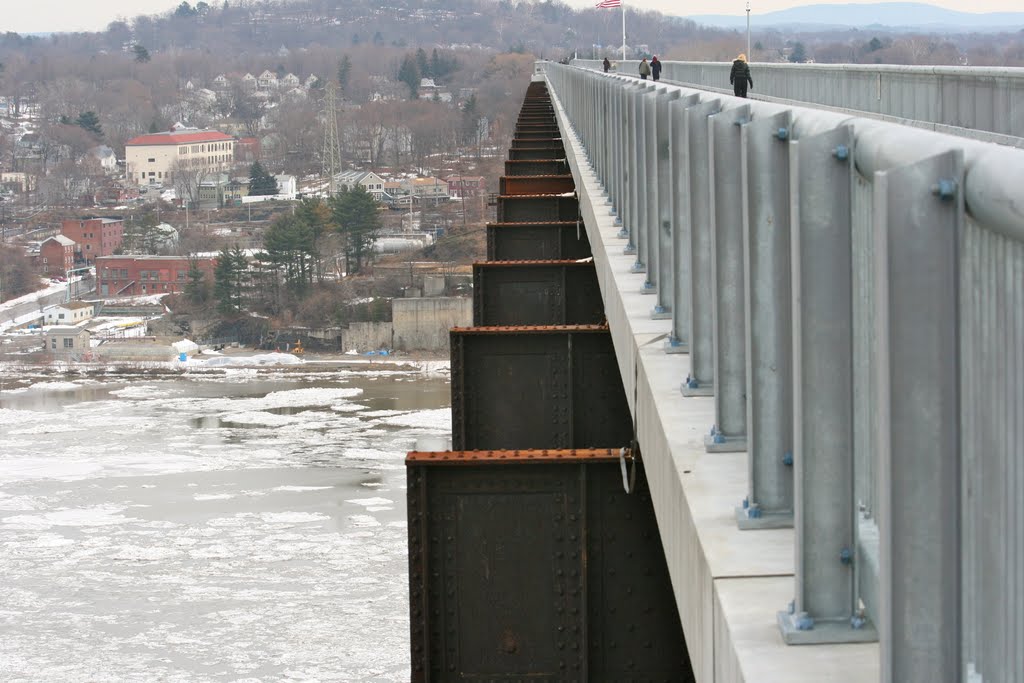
{"x": 57, "y": 255}
{"x": 94, "y": 237}
{"x": 141, "y": 275}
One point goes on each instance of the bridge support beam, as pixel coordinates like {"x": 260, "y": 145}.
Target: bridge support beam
{"x": 729, "y": 434}
{"x": 919, "y": 437}
{"x": 700, "y": 381}
{"x": 766, "y": 256}
{"x": 824, "y": 609}
{"x": 679, "y": 277}
{"x": 662, "y": 252}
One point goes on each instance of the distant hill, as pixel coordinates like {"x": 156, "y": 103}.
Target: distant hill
{"x": 896, "y": 16}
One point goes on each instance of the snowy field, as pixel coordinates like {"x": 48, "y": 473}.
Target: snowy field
{"x": 227, "y": 524}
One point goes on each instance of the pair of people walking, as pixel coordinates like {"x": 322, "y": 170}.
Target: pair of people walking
{"x": 653, "y": 69}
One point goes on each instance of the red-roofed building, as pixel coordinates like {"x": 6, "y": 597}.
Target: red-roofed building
{"x": 154, "y": 158}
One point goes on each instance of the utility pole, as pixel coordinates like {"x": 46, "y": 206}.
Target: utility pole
{"x": 750, "y": 56}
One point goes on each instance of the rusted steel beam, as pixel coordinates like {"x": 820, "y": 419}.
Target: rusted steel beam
{"x": 550, "y": 152}
{"x": 536, "y": 293}
{"x": 535, "y": 143}
{"x": 527, "y": 241}
{"x": 537, "y": 208}
{"x": 537, "y": 387}
{"x": 533, "y": 565}
{"x": 531, "y": 132}
{"x": 536, "y": 184}
{"x": 536, "y": 167}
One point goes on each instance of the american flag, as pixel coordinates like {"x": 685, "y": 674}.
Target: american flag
{"x": 605, "y": 4}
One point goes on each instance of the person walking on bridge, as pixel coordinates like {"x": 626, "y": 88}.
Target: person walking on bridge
{"x": 655, "y": 67}
{"x": 740, "y": 76}
{"x": 607, "y": 65}
{"x": 645, "y": 69}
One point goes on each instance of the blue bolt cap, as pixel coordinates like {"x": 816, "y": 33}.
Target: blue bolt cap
{"x": 782, "y": 133}
{"x": 791, "y": 608}
{"x": 857, "y": 622}
{"x": 746, "y": 503}
{"x": 787, "y": 459}
{"x": 845, "y": 556}
{"x": 804, "y": 623}
{"x": 842, "y": 152}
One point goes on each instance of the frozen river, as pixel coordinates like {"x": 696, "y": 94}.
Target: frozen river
{"x": 221, "y": 525}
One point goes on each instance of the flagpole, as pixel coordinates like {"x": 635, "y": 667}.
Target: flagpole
{"x": 623, "y": 31}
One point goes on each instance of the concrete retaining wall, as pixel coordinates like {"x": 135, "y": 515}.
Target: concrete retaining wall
{"x": 423, "y": 324}
{"x": 367, "y": 337}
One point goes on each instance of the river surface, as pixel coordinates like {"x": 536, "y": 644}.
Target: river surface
{"x": 225, "y": 524}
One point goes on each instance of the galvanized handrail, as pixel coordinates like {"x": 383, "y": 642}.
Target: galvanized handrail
{"x": 887, "y": 264}
{"x": 989, "y": 99}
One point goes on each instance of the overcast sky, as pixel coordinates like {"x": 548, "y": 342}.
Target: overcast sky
{"x": 32, "y": 16}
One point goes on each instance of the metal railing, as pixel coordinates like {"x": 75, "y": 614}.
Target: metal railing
{"x": 852, "y": 292}
{"x": 972, "y": 98}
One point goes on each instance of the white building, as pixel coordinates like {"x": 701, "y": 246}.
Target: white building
{"x": 153, "y": 159}
{"x": 287, "y": 186}
{"x": 65, "y": 340}
{"x": 70, "y": 313}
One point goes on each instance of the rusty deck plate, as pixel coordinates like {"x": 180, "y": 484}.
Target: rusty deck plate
{"x": 517, "y": 387}
{"x": 536, "y": 184}
{"x": 538, "y": 208}
{"x": 536, "y": 293}
{"x": 537, "y": 570}
{"x": 550, "y": 152}
{"x": 536, "y": 167}
{"x": 526, "y": 241}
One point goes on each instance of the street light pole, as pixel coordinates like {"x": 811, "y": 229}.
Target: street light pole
{"x": 750, "y": 56}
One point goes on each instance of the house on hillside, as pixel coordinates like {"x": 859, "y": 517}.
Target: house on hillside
{"x": 70, "y": 313}
{"x": 466, "y": 185}
{"x": 428, "y": 190}
{"x": 106, "y": 158}
{"x": 290, "y": 80}
{"x": 56, "y": 255}
{"x": 310, "y": 81}
{"x": 249, "y": 82}
{"x": 221, "y": 82}
{"x": 267, "y": 81}
{"x": 368, "y": 180}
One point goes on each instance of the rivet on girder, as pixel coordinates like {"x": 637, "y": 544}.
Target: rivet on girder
{"x": 842, "y": 152}
{"x": 945, "y": 188}
{"x": 782, "y": 133}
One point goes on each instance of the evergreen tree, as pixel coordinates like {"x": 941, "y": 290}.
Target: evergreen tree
{"x": 409, "y": 74}
{"x": 261, "y": 183}
{"x": 470, "y": 120}
{"x": 422, "y": 64}
{"x": 230, "y": 280}
{"x": 223, "y": 283}
{"x": 344, "y": 73}
{"x": 289, "y": 246}
{"x": 799, "y": 54}
{"x": 196, "y": 289}
{"x": 141, "y": 54}
{"x": 90, "y": 122}
{"x": 141, "y": 235}
{"x": 355, "y": 215}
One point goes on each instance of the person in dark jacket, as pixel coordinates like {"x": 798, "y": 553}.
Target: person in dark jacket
{"x": 645, "y": 69}
{"x": 655, "y": 68}
{"x": 740, "y": 76}
{"x": 607, "y": 65}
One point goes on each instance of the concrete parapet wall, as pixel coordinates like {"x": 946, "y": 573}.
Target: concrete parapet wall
{"x": 367, "y": 336}
{"x": 423, "y": 323}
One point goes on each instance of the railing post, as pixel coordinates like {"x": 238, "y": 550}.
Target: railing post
{"x": 919, "y": 219}
{"x": 661, "y": 253}
{"x": 766, "y": 257}
{"x": 649, "y": 197}
{"x": 701, "y": 378}
{"x": 678, "y": 265}
{"x": 729, "y": 433}
{"x": 824, "y": 609}
{"x": 629, "y": 161}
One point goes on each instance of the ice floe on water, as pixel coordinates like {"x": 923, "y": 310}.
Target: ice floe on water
{"x": 242, "y": 525}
